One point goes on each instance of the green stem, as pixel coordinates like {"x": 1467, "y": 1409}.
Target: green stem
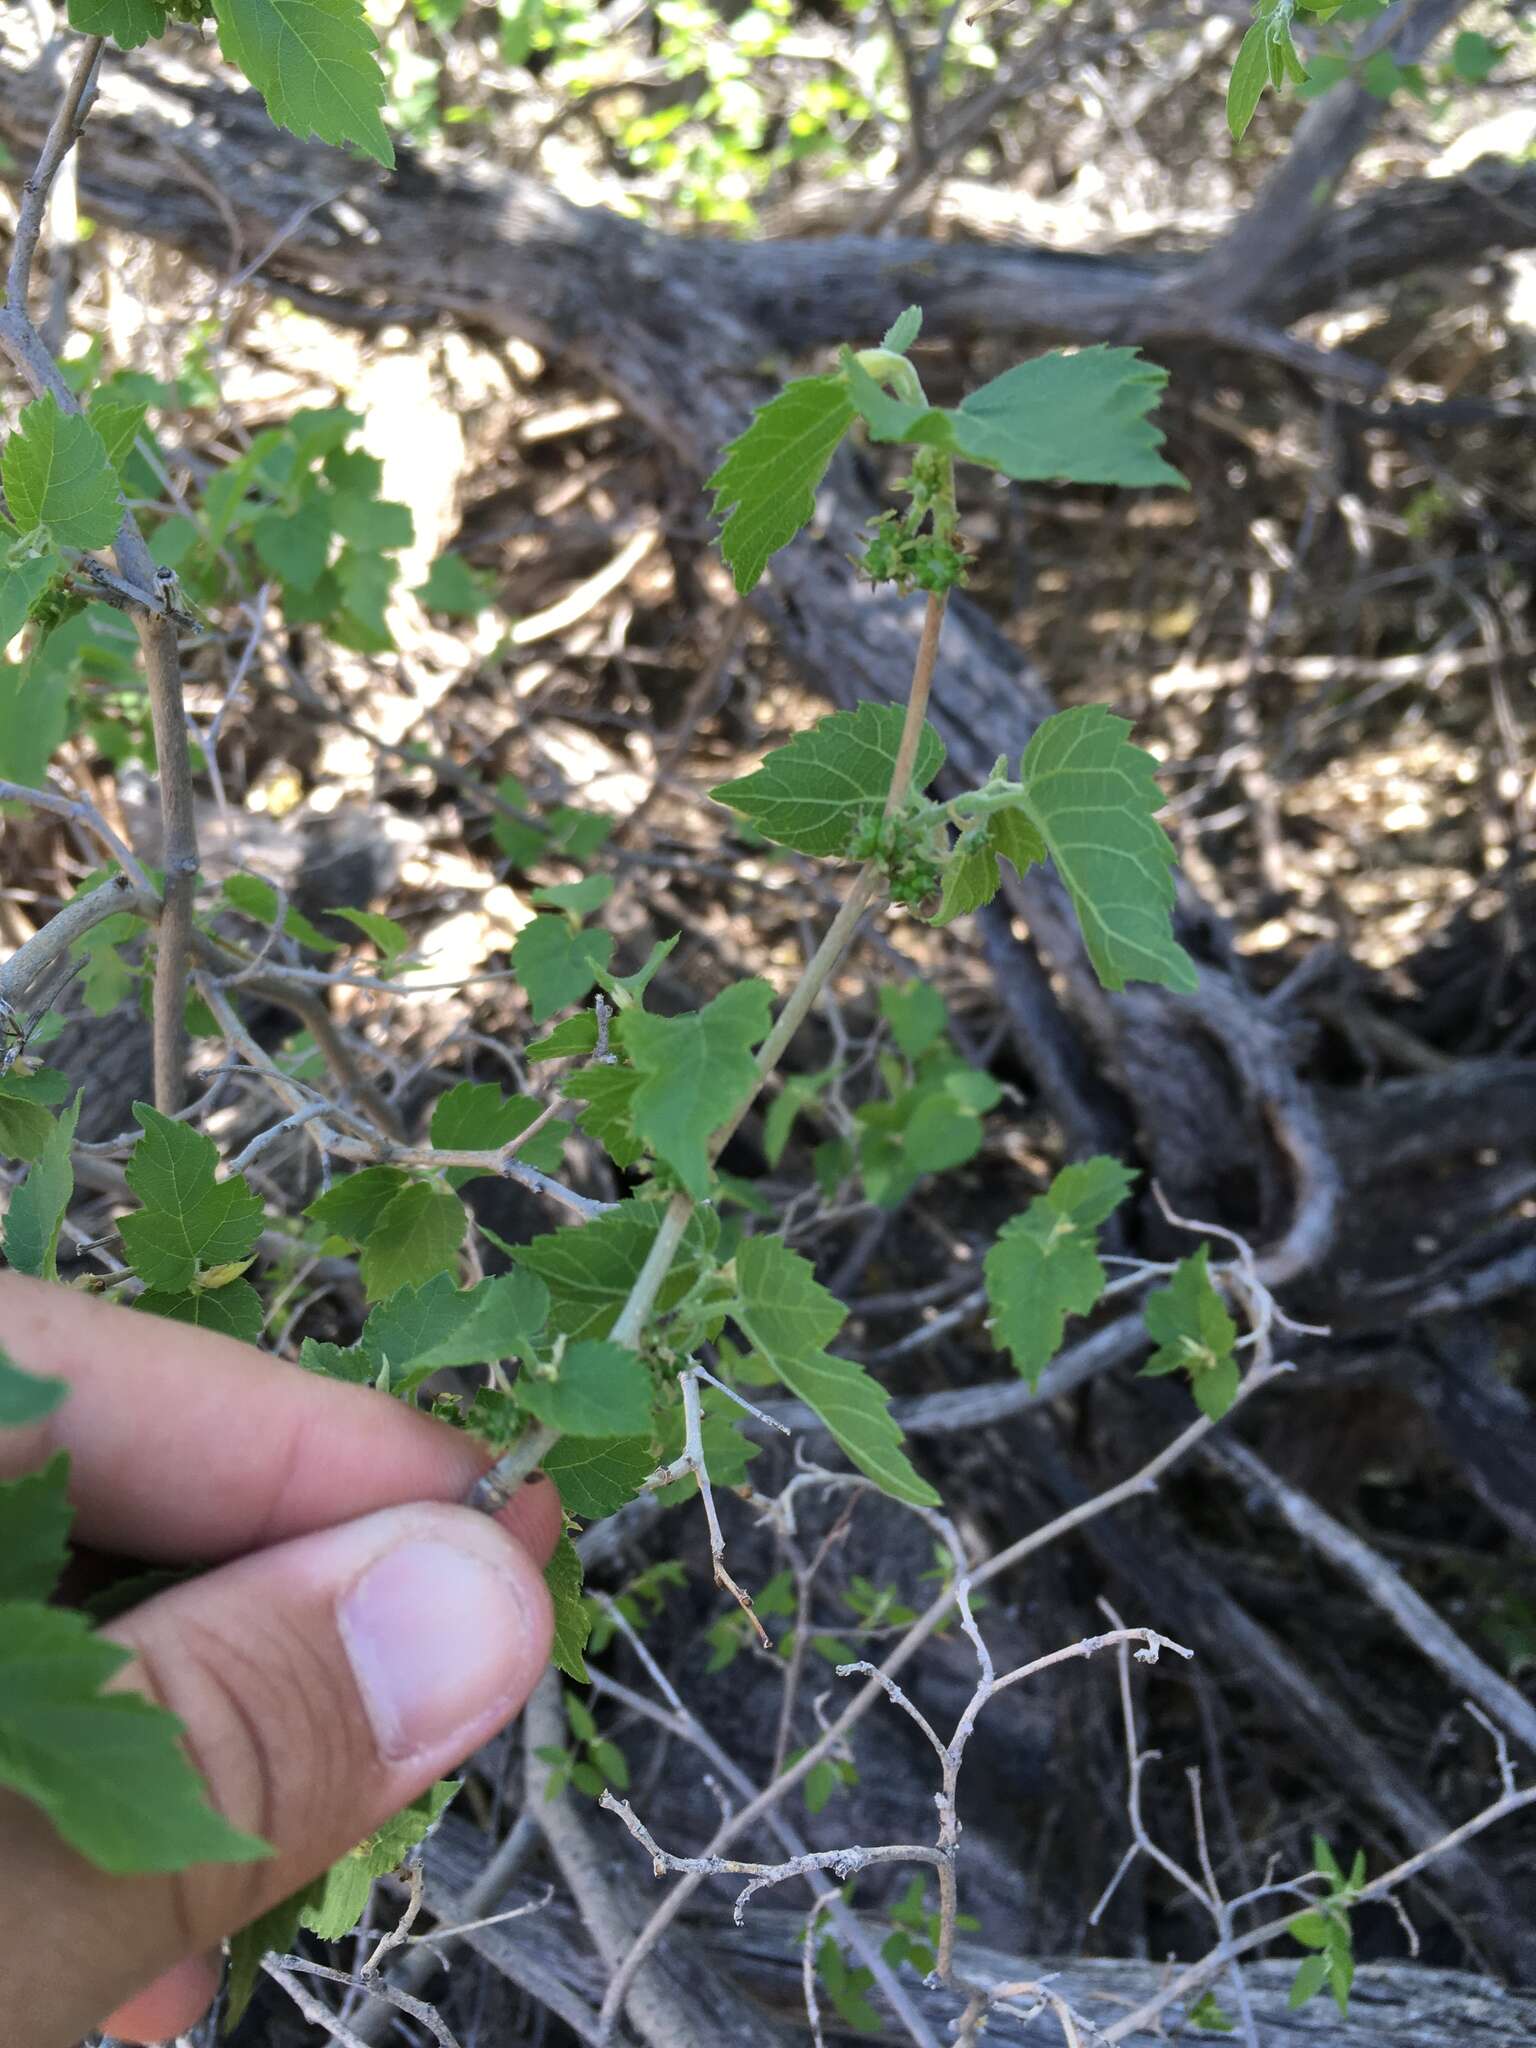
{"x": 498, "y": 1485}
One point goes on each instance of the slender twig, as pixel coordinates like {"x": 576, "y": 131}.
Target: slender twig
{"x": 63, "y": 134}
{"x": 33, "y": 959}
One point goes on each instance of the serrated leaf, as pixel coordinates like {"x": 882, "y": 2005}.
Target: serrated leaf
{"x": 1093, "y": 797}
{"x": 36, "y": 1213}
{"x": 1208, "y": 2012}
{"x": 903, "y": 331}
{"x": 558, "y": 964}
{"x": 335, "y": 1905}
{"x": 57, "y": 475}
{"x": 573, "y": 1621}
{"x": 352, "y": 1207}
{"x": 695, "y": 1071}
{"x": 295, "y": 543}
{"x": 1045, "y": 1263}
{"x": 789, "y": 1317}
{"x": 1073, "y": 417}
{"x": 422, "y": 1330}
{"x": 188, "y": 1219}
{"x": 232, "y": 1311}
{"x": 25, "y": 1128}
{"x": 813, "y": 793}
{"x": 569, "y": 1040}
{"x": 119, "y": 422}
{"x": 595, "y": 1389}
{"x": 591, "y": 1267}
{"x": 21, "y": 580}
{"x": 26, "y": 1397}
{"x": 107, "y": 1768}
{"x": 597, "y": 1475}
{"x": 348, "y": 1362}
{"x": 128, "y": 22}
{"x": 315, "y": 63}
{"x": 418, "y": 1234}
{"x": 765, "y": 487}
{"x": 475, "y": 1116}
{"x": 35, "y": 1518}
{"x": 1194, "y": 1333}
{"x": 609, "y": 1094}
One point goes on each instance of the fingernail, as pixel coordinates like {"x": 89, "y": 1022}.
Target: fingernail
{"x": 436, "y": 1637}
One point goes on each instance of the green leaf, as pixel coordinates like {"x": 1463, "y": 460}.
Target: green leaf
{"x": 351, "y": 1208}
{"x": 35, "y": 1516}
{"x": 189, "y": 1220}
{"x": 1078, "y": 417}
{"x": 127, "y": 22}
{"x": 799, "y": 1093}
{"x": 569, "y": 1040}
{"x": 579, "y": 898}
{"x": 558, "y": 964}
{"x": 596, "y": 1475}
{"x": 257, "y": 899}
{"x": 57, "y": 475}
{"x": 391, "y": 939}
{"x": 33, "y": 1220}
{"x": 591, "y": 1267}
{"x": 695, "y": 1070}
{"x": 1189, "y": 1323}
{"x": 630, "y": 988}
{"x": 232, "y": 1311}
{"x": 916, "y": 1014}
{"x": 788, "y": 1316}
{"x": 903, "y": 331}
{"x": 119, "y": 422}
{"x": 452, "y": 586}
{"x": 378, "y": 524}
{"x": 23, "y": 577}
{"x": 275, "y": 1931}
{"x": 573, "y": 1620}
{"x": 596, "y": 1389}
{"x": 1092, "y": 797}
{"x": 1207, "y": 2012}
{"x": 25, "y": 1128}
{"x": 26, "y": 1397}
{"x": 475, "y": 1116}
{"x": 426, "y": 1329}
{"x": 295, "y": 542}
{"x": 1250, "y": 75}
{"x": 1045, "y": 1263}
{"x": 417, "y": 1235}
{"x": 315, "y": 64}
{"x": 814, "y": 793}
{"x": 338, "y": 1902}
{"x": 609, "y": 1094}
{"x": 1310, "y": 1979}
{"x": 765, "y": 487}
{"x": 107, "y": 1768}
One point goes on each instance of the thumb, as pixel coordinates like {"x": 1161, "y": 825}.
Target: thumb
{"x": 322, "y": 1684}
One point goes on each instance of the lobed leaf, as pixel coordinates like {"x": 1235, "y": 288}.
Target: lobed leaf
{"x": 695, "y": 1072}
{"x": 765, "y": 487}
{"x": 595, "y": 1389}
{"x": 57, "y": 475}
{"x": 788, "y": 1317}
{"x": 36, "y": 1213}
{"x": 128, "y": 22}
{"x": 107, "y": 1768}
{"x": 813, "y": 793}
{"x": 315, "y": 63}
{"x": 189, "y": 1220}
{"x": 1045, "y": 1263}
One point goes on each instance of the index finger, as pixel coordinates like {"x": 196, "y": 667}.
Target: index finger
{"x": 187, "y": 1446}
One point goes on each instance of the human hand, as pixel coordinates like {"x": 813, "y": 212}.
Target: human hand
{"x": 360, "y": 1636}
